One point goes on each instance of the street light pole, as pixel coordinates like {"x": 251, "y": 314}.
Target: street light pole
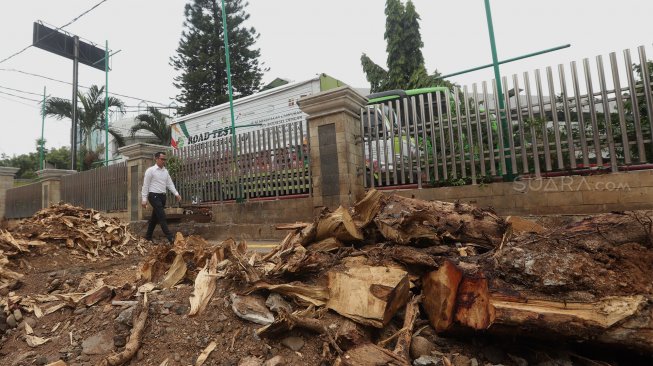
{"x": 106, "y": 103}
{"x": 42, "y": 130}
{"x": 497, "y": 76}
{"x": 73, "y": 136}
{"x": 231, "y": 97}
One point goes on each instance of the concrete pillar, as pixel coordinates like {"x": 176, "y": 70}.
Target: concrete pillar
{"x": 51, "y": 185}
{"x": 140, "y": 156}
{"x": 337, "y": 161}
{"x": 6, "y": 182}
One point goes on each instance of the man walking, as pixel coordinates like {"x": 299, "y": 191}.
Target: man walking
{"x": 157, "y": 179}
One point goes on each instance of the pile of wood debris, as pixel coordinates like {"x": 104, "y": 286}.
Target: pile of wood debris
{"x": 370, "y": 279}
{"x": 391, "y": 281}
{"x": 77, "y": 228}
{"x": 84, "y": 232}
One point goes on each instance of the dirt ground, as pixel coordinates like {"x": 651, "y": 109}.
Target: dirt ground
{"x": 170, "y": 335}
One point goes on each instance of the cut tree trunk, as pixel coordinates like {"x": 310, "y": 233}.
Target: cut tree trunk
{"x": 439, "y": 289}
{"x": 605, "y": 255}
{"x": 411, "y": 221}
{"x": 368, "y": 295}
{"x": 620, "y": 320}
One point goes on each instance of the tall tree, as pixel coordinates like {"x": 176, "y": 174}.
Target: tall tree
{"x": 405, "y": 62}
{"x": 201, "y": 58}
{"x": 155, "y": 122}
{"x": 90, "y": 112}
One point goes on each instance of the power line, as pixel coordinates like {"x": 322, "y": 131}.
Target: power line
{"x": 62, "y": 27}
{"x": 152, "y": 106}
{"x": 20, "y": 91}
{"x": 81, "y": 86}
{"x": 17, "y": 101}
{"x": 21, "y": 97}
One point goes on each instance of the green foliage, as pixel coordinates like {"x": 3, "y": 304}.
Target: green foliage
{"x": 90, "y": 111}
{"x": 60, "y": 157}
{"x": 405, "y": 62}
{"x": 173, "y": 165}
{"x": 375, "y": 74}
{"x": 201, "y": 55}
{"x": 155, "y": 122}
{"x": 28, "y": 164}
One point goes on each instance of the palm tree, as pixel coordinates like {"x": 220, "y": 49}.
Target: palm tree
{"x": 155, "y": 122}
{"x": 90, "y": 114}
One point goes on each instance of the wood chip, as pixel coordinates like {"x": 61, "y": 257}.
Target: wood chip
{"x": 205, "y": 354}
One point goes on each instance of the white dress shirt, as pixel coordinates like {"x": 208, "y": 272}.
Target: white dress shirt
{"x": 156, "y": 181}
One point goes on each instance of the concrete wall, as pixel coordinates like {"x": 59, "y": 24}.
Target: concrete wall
{"x": 547, "y": 196}
{"x": 6, "y": 182}
{"x": 258, "y": 219}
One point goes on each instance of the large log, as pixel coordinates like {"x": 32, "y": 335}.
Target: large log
{"x": 625, "y": 321}
{"x": 605, "y": 255}
{"x": 439, "y": 289}
{"x": 589, "y": 281}
{"x": 410, "y": 221}
{"x": 618, "y": 320}
{"x": 368, "y": 295}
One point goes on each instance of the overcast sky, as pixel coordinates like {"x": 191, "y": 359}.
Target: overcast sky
{"x": 299, "y": 39}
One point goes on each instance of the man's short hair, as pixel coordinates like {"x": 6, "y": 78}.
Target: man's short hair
{"x": 158, "y": 154}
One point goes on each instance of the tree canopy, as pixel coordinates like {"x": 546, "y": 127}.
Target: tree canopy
{"x": 201, "y": 55}
{"x": 405, "y": 62}
{"x": 28, "y": 164}
{"x": 90, "y": 112}
{"x": 155, "y": 122}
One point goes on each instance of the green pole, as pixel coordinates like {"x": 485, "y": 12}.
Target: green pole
{"x": 231, "y": 97}
{"x": 42, "y": 130}
{"x": 504, "y": 61}
{"x": 106, "y": 104}
{"x": 497, "y": 76}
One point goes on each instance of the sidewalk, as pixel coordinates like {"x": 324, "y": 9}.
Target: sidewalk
{"x": 262, "y": 246}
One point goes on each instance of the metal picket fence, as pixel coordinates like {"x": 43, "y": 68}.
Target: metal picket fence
{"x": 562, "y": 121}
{"x": 268, "y": 163}
{"x": 102, "y": 189}
{"x": 23, "y": 201}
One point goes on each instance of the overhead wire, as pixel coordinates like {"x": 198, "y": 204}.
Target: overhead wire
{"x": 19, "y": 102}
{"x": 20, "y": 91}
{"x": 59, "y": 28}
{"x": 81, "y": 86}
{"x": 21, "y": 97}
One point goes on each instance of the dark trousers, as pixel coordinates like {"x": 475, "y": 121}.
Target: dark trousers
{"x": 158, "y": 202}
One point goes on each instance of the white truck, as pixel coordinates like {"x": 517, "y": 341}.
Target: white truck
{"x": 269, "y": 108}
